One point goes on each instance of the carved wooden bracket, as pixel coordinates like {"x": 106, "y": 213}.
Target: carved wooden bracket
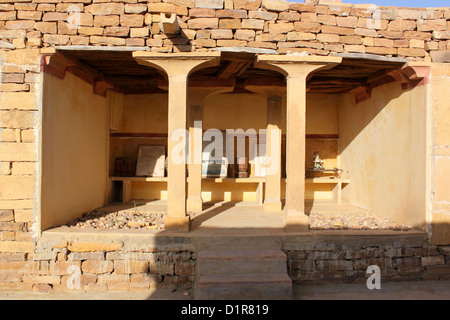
{"x": 361, "y": 93}
{"x": 416, "y": 72}
{"x": 410, "y": 76}
{"x": 417, "y": 75}
{"x": 57, "y": 65}
{"x": 101, "y": 87}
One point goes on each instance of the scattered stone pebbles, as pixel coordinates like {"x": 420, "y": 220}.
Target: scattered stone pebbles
{"x": 320, "y": 221}
{"x": 155, "y": 221}
{"x": 120, "y": 220}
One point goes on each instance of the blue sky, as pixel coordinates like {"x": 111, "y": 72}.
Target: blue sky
{"x": 399, "y": 3}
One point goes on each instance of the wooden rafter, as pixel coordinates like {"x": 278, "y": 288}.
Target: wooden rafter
{"x": 357, "y": 74}
{"x": 231, "y": 68}
{"x": 56, "y": 64}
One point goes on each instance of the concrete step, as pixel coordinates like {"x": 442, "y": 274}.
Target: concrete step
{"x": 232, "y": 262}
{"x": 259, "y": 286}
{"x": 237, "y": 243}
{"x": 242, "y": 274}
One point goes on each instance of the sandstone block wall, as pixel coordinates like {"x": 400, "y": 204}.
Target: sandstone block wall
{"x": 346, "y": 261}
{"x": 58, "y": 265}
{"x": 29, "y": 27}
{"x": 279, "y": 25}
{"x": 97, "y": 266}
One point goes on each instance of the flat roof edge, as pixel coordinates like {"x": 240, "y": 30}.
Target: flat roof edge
{"x": 100, "y": 48}
{"x": 368, "y": 56}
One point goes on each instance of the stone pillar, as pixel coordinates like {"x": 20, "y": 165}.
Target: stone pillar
{"x": 178, "y": 67}
{"x": 272, "y": 196}
{"x": 197, "y": 97}
{"x": 296, "y": 69}
{"x": 295, "y": 150}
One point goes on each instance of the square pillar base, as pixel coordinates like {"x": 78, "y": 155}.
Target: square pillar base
{"x": 177, "y": 224}
{"x": 194, "y": 204}
{"x": 272, "y": 205}
{"x": 297, "y": 222}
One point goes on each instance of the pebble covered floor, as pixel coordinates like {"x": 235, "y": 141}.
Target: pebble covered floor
{"x": 155, "y": 221}
{"x": 320, "y": 221}
{"x": 120, "y": 220}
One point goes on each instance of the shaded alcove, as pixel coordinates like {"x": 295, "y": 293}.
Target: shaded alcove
{"x": 103, "y": 105}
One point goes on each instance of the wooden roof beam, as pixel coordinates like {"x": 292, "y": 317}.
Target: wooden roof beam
{"x": 230, "y": 68}
{"x": 58, "y": 64}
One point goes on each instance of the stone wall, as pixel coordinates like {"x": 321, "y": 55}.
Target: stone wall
{"x": 29, "y": 27}
{"x": 272, "y": 24}
{"x": 347, "y": 259}
{"x": 96, "y": 266}
{"x": 145, "y": 264}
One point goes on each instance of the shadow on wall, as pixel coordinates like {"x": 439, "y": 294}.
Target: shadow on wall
{"x": 383, "y": 152}
{"x": 363, "y": 113}
{"x": 180, "y": 41}
{"x": 440, "y": 233}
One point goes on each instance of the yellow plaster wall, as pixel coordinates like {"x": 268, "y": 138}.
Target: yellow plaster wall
{"x": 149, "y": 191}
{"x": 321, "y": 114}
{"x": 211, "y": 191}
{"x": 248, "y": 111}
{"x": 228, "y": 191}
{"x": 440, "y": 158}
{"x": 229, "y": 111}
{"x": 145, "y": 113}
{"x": 383, "y": 152}
{"x": 74, "y": 150}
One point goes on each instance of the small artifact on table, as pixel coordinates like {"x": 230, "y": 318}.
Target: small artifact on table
{"x": 318, "y": 166}
{"x": 213, "y": 168}
{"x": 318, "y": 163}
{"x": 242, "y": 167}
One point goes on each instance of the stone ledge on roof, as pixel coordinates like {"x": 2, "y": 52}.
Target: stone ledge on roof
{"x": 369, "y": 56}
{"x": 246, "y": 50}
{"x": 101, "y": 48}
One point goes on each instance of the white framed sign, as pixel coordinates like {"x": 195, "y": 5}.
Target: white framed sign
{"x": 150, "y": 161}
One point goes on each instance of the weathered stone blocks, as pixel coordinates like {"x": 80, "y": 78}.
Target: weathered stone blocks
{"x": 203, "y": 23}
{"x": 106, "y": 8}
{"x": 16, "y": 246}
{"x": 276, "y": 5}
{"x": 93, "y": 246}
{"x": 130, "y": 266}
{"x": 331, "y": 261}
{"x": 96, "y": 266}
{"x": 213, "y": 4}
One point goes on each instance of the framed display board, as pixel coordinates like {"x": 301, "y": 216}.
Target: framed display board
{"x": 150, "y": 161}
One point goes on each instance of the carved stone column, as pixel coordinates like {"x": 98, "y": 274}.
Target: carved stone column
{"x": 274, "y": 95}
{"x": 197, "y": 97}
{"x": 178, "y": 67}
{"x": 296, "y": 69}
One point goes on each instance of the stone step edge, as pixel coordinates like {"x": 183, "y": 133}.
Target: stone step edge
{"x": 236, "y": 279}
{"x": 208, "y": 255}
